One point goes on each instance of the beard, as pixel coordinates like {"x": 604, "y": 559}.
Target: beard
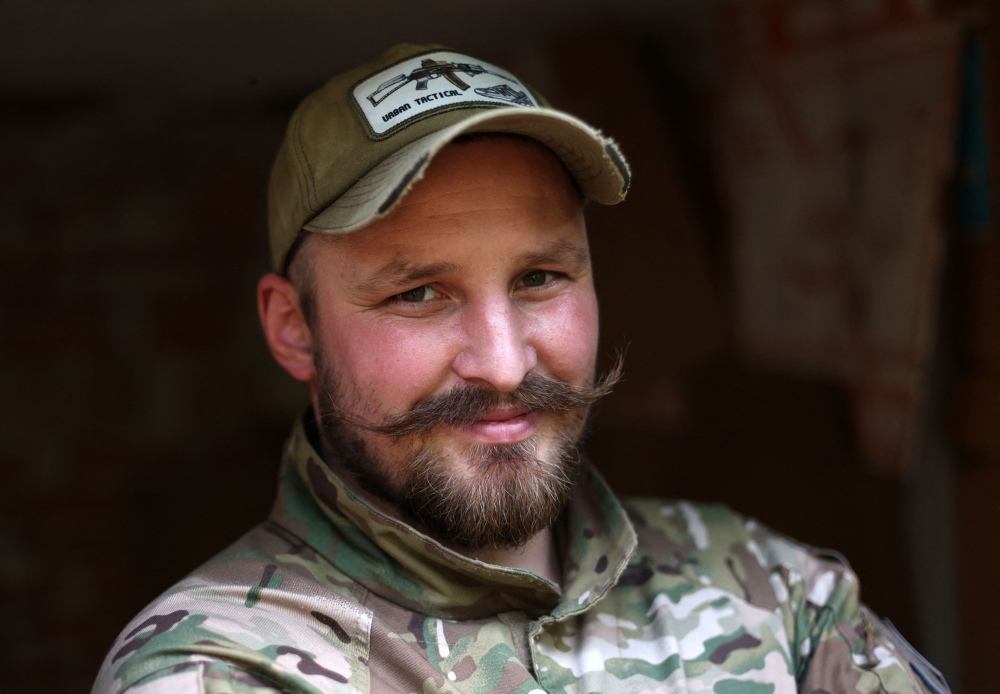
{"x": 472, "y": 495}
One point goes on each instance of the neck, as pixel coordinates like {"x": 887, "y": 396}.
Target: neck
{"x": 537, "y": 555}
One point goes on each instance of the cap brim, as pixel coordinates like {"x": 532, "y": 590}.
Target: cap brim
{"x": 592, "y": 159}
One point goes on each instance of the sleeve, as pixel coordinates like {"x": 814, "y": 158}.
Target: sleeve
{"x": 202, "y": 677}
{"x": 838, "y": 646}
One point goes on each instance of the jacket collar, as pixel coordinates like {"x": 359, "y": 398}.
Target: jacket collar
{"x": 403, "y": 565}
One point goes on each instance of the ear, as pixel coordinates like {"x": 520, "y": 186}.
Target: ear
{"x": 285, "y": 327}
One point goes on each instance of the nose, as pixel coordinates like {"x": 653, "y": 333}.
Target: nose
{"x": 498, "y": 353}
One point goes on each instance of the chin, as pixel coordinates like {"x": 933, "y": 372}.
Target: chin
{"x": 491, "y": 495}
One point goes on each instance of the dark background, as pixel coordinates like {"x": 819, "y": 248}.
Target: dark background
{"x": 141, "y": 416}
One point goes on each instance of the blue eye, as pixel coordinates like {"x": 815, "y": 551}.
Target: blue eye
{"x": 417, "y": 295}
{"x": 535, "y": 278}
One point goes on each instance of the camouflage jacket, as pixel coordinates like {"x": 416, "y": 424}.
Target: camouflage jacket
{"x": 330, "y": 595}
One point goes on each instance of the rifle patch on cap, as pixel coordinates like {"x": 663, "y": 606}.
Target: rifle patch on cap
{"x": 426, "y": 84}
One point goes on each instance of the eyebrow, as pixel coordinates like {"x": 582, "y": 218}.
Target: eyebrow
{"x": 561, "y": 253}
{"x": 400, "y": 273}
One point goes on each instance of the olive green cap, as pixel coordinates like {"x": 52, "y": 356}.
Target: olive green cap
{"x": 354, "y": 147}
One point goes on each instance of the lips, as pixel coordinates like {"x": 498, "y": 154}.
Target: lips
{"x": 503, "y": 426}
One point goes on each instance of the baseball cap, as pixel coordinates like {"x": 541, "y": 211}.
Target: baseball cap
{"x": 355, "y": 146}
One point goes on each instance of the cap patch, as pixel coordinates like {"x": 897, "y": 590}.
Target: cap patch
{"x": 423, "y": 85}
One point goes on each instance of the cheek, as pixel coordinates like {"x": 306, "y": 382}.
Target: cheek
{"x": 392, "y": 363}
{"x": 565, "y": 334}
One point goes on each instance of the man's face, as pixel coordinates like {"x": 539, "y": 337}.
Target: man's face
{"x": 473, "y": 303}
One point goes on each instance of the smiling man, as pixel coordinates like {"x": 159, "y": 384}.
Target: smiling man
{"x": 452, "y": 356}
{"x": 436, "y": 529}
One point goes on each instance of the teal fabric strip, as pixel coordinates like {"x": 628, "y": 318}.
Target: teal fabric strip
{"x": 973, "y": 185}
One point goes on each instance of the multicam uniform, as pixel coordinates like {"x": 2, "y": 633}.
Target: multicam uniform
{"x": 331, "y": 595}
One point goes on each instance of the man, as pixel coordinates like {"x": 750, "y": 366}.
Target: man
{"x": 436, "y": 529}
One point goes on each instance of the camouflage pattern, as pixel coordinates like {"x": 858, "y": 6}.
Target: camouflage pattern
{"x": 330, "y": 595}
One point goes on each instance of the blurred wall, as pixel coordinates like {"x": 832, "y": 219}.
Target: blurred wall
{"x": 142, "y": 412}
{"x": 973, "y": 399}
{"x": 142, "y": 416}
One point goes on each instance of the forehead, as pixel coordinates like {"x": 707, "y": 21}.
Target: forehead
{"x": 475, "y": 191}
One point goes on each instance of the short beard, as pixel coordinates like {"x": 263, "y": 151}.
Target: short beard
{"x": 505, "y": 495}
{"x": 510, "y": 495}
